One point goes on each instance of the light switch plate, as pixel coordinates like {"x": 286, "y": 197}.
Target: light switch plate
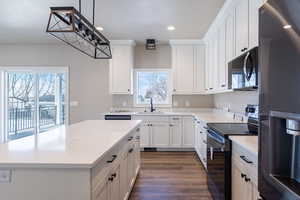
{"x": 5, "y": 176}
{"x": 175, "y": 103}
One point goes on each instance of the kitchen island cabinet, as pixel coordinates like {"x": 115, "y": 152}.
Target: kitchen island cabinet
{"x": 91, "y": 160}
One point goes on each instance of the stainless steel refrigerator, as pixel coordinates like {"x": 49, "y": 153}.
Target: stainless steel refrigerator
{"x": 279, "y": 98}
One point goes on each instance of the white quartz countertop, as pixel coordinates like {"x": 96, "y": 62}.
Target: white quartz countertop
{"x": 79, "y": 145}
{"x": 248, "y": 142}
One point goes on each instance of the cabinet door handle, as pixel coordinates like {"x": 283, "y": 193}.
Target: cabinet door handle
{"x": 130, "y": 150}
{"x": 114, "y": 175}
{"x": 138, "y": 137}
{"x": 130, "y": 138}
{"x": 175, "y": 118}
{"x": 223, "y": 85}
{"x": 112, "y": 160}
{"x": 138, "y": 130}
{"x": 247, "y": 179}
{"x": 243, "y": 175}
{"x": 204, "y": 142}
{"x": 244, "y": 158}
{"x": 128, "y": 90}
{"x": 111, "y": 179}
{"x": 174, "y": 90}
{"x": 211, "y": 88}
{"x": 171, "y": 125}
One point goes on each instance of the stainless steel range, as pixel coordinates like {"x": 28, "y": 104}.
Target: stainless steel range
{"x": 219, "y": 152}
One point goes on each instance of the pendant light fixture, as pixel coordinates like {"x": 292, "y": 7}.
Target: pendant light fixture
{"x": 70, "y": 26}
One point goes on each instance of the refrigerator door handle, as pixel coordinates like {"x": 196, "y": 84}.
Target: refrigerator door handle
{"x": 211, "y": 153}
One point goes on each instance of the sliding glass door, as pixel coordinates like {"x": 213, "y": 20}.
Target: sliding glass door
{"x": 35, "y": 101}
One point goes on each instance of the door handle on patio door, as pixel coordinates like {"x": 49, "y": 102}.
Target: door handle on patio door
{"x": 211, "y": 153}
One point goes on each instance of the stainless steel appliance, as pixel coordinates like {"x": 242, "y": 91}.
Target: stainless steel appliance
{"x": 219, "y": 155}
{"x": 279, "y": 140}
{"x": 243, "y": 71}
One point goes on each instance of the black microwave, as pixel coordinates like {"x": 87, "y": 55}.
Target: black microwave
{"x": 243, "y": 71}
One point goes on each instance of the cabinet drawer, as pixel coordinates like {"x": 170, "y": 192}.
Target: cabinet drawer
{"x": 111, "y": 158}
{"x": 245, "y": 161}
{"x": 151, "y": 118}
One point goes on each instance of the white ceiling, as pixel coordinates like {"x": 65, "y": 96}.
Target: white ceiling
{"x": 24, "y": 21}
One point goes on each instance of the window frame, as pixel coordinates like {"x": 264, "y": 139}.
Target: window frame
{"x": 169, "y": 85}
{"x": 27, "y": 69}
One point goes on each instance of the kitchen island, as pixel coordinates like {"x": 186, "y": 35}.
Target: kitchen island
{"x": 89, "y": 160}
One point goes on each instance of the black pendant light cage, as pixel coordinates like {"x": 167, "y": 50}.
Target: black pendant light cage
{"x": 68, "y": 25}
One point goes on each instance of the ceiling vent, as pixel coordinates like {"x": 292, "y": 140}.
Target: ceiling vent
{"x": 68, "y": 25}
{"x": 150, "y": 44}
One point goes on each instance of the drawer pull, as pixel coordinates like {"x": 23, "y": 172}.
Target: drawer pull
{"x": 246, "y": 159}
{"x": 247, "y": 179}
{"x": 111, "y": 179}
{"x": 243, "y": 175}
{"x": 137, "y": 137}
{"x": 130, "y": 150}
{"x": 175, "y": 118}
{"x": 130, "y": 138}
{"x": 112, "y": 160}
{"x": 114, "y": 175}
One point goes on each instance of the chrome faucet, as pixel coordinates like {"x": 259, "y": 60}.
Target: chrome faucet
{"x": 152, "y": 109}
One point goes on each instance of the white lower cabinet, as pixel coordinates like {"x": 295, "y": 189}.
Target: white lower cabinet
{"x": 244, "y": 174}
{"x": 160, "y": 132}
{"x": 114, "y": 178}
{"x": 176, "y": 132}
{"x": 201, "y": 141}
{"x": 167, "y": 131}
{"x": 188, "y": 132}
{"x": 145, "y": 135}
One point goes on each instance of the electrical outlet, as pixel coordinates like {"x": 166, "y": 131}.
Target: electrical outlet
{"x": 74, "y": 103}
{"x": 5, "y": 176}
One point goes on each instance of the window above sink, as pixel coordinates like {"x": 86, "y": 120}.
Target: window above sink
{"x": 155, "y": 84}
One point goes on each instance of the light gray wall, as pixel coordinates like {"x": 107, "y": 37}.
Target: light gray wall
{"x": 161, "y": 58}
{"x": 88, "y": 77}
{"x": 236, "y": 101}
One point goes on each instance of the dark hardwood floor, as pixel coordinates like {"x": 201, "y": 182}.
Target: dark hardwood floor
{"x": 170, "y": 176}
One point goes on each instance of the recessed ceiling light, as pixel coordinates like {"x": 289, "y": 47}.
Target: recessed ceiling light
{"x": 171, "y": 28}
{"x": 99, "y": 28}
{"x": 287, "y": 26}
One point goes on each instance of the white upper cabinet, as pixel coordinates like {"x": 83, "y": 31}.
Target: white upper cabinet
{"x": 254, "y": 6}
{"x": 222, "y": 65}
{"x": 121, "y": 67}
{"x": 183, "y": 66}
{"x": 230, "y": 38}
{"x": 199, "y": 69}
{"x": 242, "y": 27}
{"x": 188, "y": 60}
{"x": 234, "y": 32}
{"x": 212, "y": 76}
